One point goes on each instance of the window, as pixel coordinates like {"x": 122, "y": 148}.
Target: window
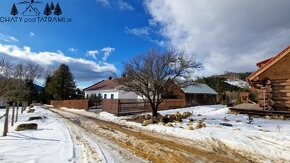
{"x": 112, "y": 96}
{"x": 100, "y": 95}
{"x": 105, "y": 96}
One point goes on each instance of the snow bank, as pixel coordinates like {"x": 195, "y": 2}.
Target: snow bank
{"x": 51, "y": 142}
{"x": 238, "y": 83}
{"x": 263, "y": 139}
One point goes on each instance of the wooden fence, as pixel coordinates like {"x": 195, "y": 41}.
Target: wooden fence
{"x": 77, "y": 104}
{"x": 120, "y": 107}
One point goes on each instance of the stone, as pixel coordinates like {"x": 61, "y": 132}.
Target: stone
{"x": 186, "y": 115}
{"x": 169, "y": 124}
{"x": 188, "y": 127}
{"x": 26, "y": 126}
{"x": 148, "y": 116}
{"x": 31, "y": 111}
{"x": 226, "y": 124}
{"x": 147, "y": 122}
{"x": 199, "y": 124}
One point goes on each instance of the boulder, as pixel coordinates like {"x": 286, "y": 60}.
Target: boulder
{"x": 147, "y": 122}
{"x": 31, "y": 111}
{"x": 147, "y": 116}
{"x": 226, "y": 124}
{"x": 26, "y": 126}
{"x": 199, "y": 124}
{"x": 169, "y": 124}
{"x": 188, "y": 127}
{"x": 186, "y": 115}
{"x": 34, "y": 118}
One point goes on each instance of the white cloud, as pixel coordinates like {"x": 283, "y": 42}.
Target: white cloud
{"x": 143, "y": 31}
{"x": 83, "y": 70}
{"x": 73, "y": 50}
{"x": 104, "y": 2}
{"x": 31, "y": 34}
{"x": 225, "y": 35}
{"x": 124, "y": 5}
{"x": 107, "y": 52}
{"x": 8, "y": 38}
{"x": 92, "y": 53}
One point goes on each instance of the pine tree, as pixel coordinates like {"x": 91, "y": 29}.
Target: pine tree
{"x": 14, "y": 10}
{"x": 62, "y": 85}
{"x": 57, "y": 10}
{"x": 52, "y": 6}
{"x": 47, "y": 10}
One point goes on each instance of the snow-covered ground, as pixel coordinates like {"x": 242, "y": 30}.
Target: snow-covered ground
{"x": 262, "y": 140}
{"x": 51, "y": 142}
{"x": 238, "y": 83}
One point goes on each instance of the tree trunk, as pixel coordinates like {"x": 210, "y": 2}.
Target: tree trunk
{"x": 13, "y": 113}
{"x": 23, "y": 107}
{"x": 16, "y": 119}
{"x": 5, "y": 131}
{"x": 154, "y": 110}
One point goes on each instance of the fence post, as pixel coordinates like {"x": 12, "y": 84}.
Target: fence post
{"x": 13, "y": 112}
{"x": 5, "y": 131}
{"x": 16, "y": 119}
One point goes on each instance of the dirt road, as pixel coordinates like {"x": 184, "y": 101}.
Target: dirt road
{"x": 149, "y": 146}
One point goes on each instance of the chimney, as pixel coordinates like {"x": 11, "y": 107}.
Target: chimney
{"x": 123, "y": 75}
{"x": 110, "y": 78}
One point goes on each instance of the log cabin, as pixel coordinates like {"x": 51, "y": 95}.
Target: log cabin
{"x": 272, "y": 81}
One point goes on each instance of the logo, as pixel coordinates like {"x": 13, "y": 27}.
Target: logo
{"x": 35, "y": 12}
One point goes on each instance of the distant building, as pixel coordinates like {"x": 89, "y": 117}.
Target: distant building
{"x": 197, "y": 94}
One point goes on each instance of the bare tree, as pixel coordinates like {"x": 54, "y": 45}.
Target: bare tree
{"x": 151, "y": 75}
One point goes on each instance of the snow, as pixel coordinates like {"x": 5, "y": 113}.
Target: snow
{"x": 238, "y": 83}
{"x": 263, "y": 139}
{"x": 51, "y": 142}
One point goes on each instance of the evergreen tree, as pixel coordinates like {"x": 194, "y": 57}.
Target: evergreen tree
{"x": 14, "y": 10}
{"x": 52, "y": 6}
{"x": 61, "y": 85}
{"x": 47, "y": 10}
{"x": 57, "y": 10}
{"x": 32, "y": 93}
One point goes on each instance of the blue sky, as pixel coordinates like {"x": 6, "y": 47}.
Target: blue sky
{"x": 105, "y": 33}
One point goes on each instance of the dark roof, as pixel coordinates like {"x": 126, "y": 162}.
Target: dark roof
{"x": 103, "y": 85}
{"x": 199, "y": 89}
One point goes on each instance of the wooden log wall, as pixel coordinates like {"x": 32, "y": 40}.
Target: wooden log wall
{"x": 281, "y": 94}
{"x": 265, "y": 94}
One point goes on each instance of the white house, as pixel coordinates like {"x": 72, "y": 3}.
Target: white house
{"x": 108, "y": 89}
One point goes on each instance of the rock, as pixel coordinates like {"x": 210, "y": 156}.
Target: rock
{"x": 177, "y": 114}
{"x": 31, "y": 111}
{"x": 147, "y": 116}
{"x": 238, "y": 121}
{"x": 147, "y": 122}
{"x": 34, "y": 118}
{"x": 267, "y": 117}
{"x": 169, "y": 124}
{"x": 26, "y": 126}
{"x": 200, "y": 124}
{"x": 161, "y": 123}
{"x": 159, "y": 115}
{"x": 172, "y": 118}
{"x": 226, "y": 124}
{"x": 191, "y": 120}
{"x": 188, "y": 127}
{"x": 217, "y": 126}
{"x": 186, "y": 115}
